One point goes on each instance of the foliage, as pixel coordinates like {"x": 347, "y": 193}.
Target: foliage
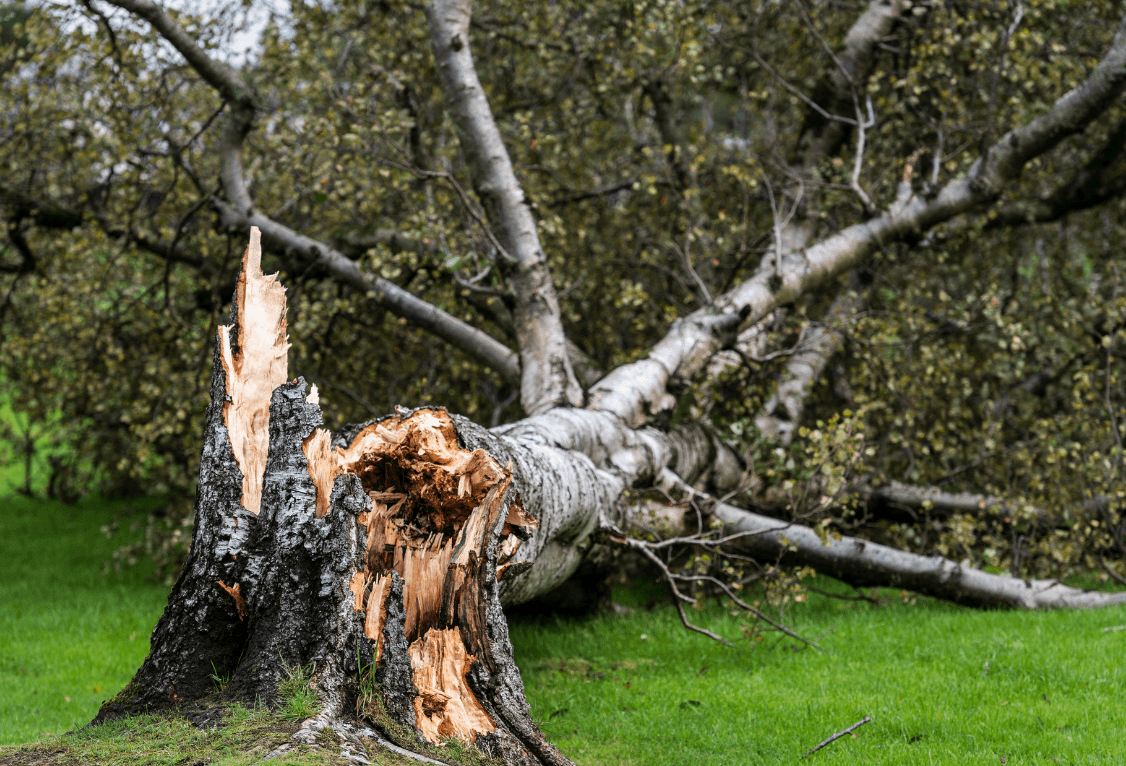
{"x": 989, "y": 357}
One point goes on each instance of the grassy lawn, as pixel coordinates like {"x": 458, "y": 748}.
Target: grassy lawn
{"x": 70, "y": 636}
{"x": 943, "y": 685}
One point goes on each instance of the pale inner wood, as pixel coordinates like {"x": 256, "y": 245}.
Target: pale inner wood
{"x": 433, "y": 505}
{"x": 257, "y": 368}
{"x": 445, "y": 705}
{"x": 324, "y": 465}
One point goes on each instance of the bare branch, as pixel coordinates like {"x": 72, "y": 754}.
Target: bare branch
{"x": 944, "y": 502}
{"x": 836, "y": 736}
{"x": 49, "y": 214}
{"x": 818, "y": 139}
{"x": 548, "y": 379}
{"x": 782, "y": 412}
{"x": 1099, "y": 181}
{"x": 224, "y": 79}
{"x": 476, "y": 343}
{"x": 820, "y": 136}
{"x": 864, "y": 563}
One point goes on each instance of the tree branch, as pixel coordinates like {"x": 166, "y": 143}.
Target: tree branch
{"x": 863, "y": 563}
{"x": 1094, "y": 184}
{"x": 820, "y": 136}
{"x": 240, "y": 212}
{"x": 633, "y": 389}
{"x": 548, "y": 380}
{"x": 944, "y": 503}
{"x": 782, "y": 412}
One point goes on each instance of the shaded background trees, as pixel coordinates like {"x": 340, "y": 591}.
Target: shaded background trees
{"x": 664, "y": 149}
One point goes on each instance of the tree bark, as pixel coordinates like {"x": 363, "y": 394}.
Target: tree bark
{"x": 376, "y": 563}
{"x": 380, "y": 558}
{"x": 547, "y": 378}
{"x": 864, "y": 563}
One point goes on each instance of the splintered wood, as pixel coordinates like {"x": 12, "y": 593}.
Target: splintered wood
{"x": 255, "y": 369}
{"x": 324, "y": 465}
{"x": 445, "y": 705}
{"x": 436, "y": 511}
{"x": 236, "y": 594}
{"x": 434, "y": 507}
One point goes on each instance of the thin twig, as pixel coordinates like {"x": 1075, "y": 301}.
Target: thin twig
{"x": 777, "y": 227}
{"x": 698, "y": 629}
{"x": 804, "y": 98}
{"x": 837, "y": 736}
{"x": 467, "y": 202}
{"x": 858, "y": 164}
{"x": 678, "y": 597}
{"x": 747, "y": 607}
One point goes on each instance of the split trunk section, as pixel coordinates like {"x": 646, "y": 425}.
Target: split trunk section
{"x": 369, "y": 562}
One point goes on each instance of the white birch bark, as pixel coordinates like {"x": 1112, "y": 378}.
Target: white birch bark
{"x": 782, "y": 413}
{"x": 547, "y": 380}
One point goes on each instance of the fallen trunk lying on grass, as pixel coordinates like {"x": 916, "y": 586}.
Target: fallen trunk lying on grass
{"x": 378, "y": 560}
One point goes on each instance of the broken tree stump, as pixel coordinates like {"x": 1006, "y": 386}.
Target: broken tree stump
{"x": 373, "y": 559}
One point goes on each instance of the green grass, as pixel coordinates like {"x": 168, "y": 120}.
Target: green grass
{"x": 245, "y": 736}
{"x": 943, "y": 685}
{"x": 70, "y": 636}
{"x": 297, "y": 696}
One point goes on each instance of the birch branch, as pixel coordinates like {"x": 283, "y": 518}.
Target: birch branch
{"x": 634, "y": 389}
{"x": 820, "y": 137}
{"x": 548, "y": 379}
{"x": 1095, "y": 183}
{"x": 863, "y": 563}
{"x": 783, "y": 411}
{"x": 239, "y": 209}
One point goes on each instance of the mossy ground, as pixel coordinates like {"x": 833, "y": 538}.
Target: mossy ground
{"x": 943, "y": 685}
{"x": 243, "y": 736}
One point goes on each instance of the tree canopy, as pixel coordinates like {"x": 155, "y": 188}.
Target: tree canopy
{"x": 955, "y": 386}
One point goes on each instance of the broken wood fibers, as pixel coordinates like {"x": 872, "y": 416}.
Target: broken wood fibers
{"x": 253, "y": 371}
{"x": 434, "y": 507}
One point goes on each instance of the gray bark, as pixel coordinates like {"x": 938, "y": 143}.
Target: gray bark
{"x": 399, "y": 548}
{"x": 782, "y": 413}
{"x": 201, "y": 630}
{"x": 864, "y": 563}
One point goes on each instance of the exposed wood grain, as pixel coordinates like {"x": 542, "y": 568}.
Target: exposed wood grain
{"x": 254, "y": 369}
{"x": 445, "y": 705}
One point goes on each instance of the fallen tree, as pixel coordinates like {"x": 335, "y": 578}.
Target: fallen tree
{"x": 384, "y": 555}
{"x": 381, "y": 557}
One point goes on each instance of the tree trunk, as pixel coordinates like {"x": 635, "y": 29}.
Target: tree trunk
{"x": 375, "y": 563}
